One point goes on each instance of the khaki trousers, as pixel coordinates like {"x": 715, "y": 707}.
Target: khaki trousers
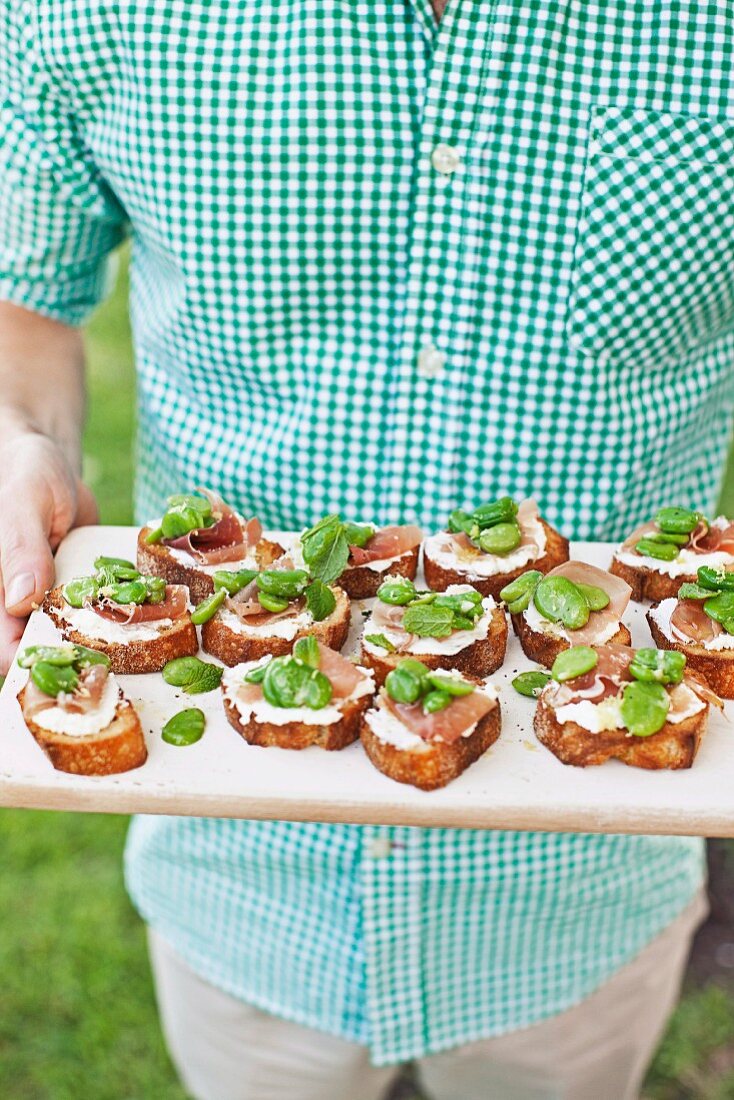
{"x": 225, "y": 1049}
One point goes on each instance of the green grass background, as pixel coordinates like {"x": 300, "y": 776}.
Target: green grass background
{"x": 77, "y": 1015}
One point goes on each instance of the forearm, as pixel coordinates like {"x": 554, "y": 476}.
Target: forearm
{"x": 41, "y": 381}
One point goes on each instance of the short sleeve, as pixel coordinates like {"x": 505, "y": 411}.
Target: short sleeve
{"x": 59, "y": 221}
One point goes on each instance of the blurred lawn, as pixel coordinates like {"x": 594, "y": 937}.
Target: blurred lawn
{"x": 77, "y": 1016}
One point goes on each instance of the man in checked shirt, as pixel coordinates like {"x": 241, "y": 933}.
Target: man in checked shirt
{"x": 387, "y": 260}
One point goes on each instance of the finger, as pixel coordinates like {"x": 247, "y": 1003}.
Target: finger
{"x": 26, "y": 562}
{"x": 11, "y": 630}
{"x": 86, "y": 509}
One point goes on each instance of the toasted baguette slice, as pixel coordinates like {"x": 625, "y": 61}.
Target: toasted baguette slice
{"x": 544, "y": 648}
{"x": 674, "y": 746}
{"x": 119, "y": 747}
{"x": 232, "y": 647}
{"x": 716, "y": 666}
{"x": 431, "y": 764}
{"x": 156, "y": 560}
{"x": 439, "y": 578}
{"x": 300, "y": 735}
{"x": 134, "y": 657}
{"x": 649, "y": 584}
{"x": 476, "y": 660}
{"x": 361, "y": 583}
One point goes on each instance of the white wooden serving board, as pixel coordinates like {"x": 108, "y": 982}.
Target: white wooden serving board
{"x": 518, "y": 784}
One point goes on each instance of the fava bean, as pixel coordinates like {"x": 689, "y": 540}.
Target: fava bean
{"x": 531, "y": 683}
{"x": 184, "y": 728}
{"x": 208, "y": 607}
{"x": 501, "y": 538}
{"x": 559, "y": 600}
{"x": 644, "y": 708}
{"x": 53, "y": 679}
{"x": 573, "y": 662}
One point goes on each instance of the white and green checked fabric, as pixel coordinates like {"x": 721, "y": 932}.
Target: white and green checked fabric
{"x": 326, "y": 320}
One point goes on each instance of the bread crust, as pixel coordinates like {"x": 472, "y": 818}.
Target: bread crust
{"x": 439, "y": 578}
{"x": 544, "y": 648}
{"x": 156, "y": 560}
{"x": 674, "y": 746}
{"x": 476, "y": 660}
{"x": 361, "y": 583}
{"x": 434, "y": 764}
{"x": 232, "y": 647}
{"x": 299, "y": 735}
{"x": 129, "y": 658}
{"x": 648, "y": 584}
{"x": 717, "y": 668}
{"x": 119, "y": 747}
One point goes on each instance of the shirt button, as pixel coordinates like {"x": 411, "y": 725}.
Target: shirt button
{"x": 380, "y": 847}
{"x": 445, "y": 159}
{"x": 431, "y": 361}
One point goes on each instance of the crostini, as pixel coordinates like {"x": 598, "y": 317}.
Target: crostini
{"x": 638, "y": 706}
{"x": 252, "y": 614}
{"x": 492, "y": 546}
{"x": 198, "y": 535}
{"x": 138, "y": 621}
{"x": 458, "y": 628}
{"x": 699, "y": 622}
{"x": 357, "y": 557}
{"x": 666, "y": 552}
{"x": 313, "y": 696}
{"x": 77, "y": 713}
{"x": 574, "y": 604}
{"x": 428, "y": 726}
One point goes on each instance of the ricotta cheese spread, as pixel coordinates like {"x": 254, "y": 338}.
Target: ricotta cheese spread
{"x": 281, "y": 628}
{"x": 57, "y": 720}
{"x": 598, "y": 717}
{"x": 262, "y": 711}
{"x": 92, "y": 625}
{"x": 542, "y": 625}
{"x": 438, "y": 549}
{"x": 662, "y": 614}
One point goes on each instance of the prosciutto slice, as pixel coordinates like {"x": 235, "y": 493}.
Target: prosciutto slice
{"x": 388, "y": 542}
{"x": 611, "y": 671}
{"x": 690, "y": 623}
{"x": 716, "y": 538}
{"x": 344, "y": 676}
{"x": 527, "y": 517}
{"x": 619, "y": 593}
{"x": 226, "y": 540}
{"x": 85, "y": 698}
{"x": 629, "y": 544}
{"x": 252, "y": 613}
{"x": 174, "y": 606}
{"x": 446, "y": 725}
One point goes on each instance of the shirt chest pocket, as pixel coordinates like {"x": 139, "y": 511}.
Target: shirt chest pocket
{"x": 654, "y": 262}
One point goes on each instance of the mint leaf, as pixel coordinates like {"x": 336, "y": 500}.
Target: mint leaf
{"x": 192, "y": 675}
{"x": 320, "y": 601}
{"x": 428, "y": 620}
{"x": 325, "y": 549}
{"x": 381, "y": 641}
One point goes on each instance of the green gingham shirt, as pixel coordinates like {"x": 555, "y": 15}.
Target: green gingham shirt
{"x": 391, "y": 268}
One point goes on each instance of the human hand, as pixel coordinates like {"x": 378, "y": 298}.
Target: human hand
{"x": 41, "y": 500}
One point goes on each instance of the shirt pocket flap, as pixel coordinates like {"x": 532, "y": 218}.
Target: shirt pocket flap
{"x": 659, "y": 135}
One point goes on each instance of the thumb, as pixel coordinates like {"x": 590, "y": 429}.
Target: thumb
{"x": 26, "y": 562}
